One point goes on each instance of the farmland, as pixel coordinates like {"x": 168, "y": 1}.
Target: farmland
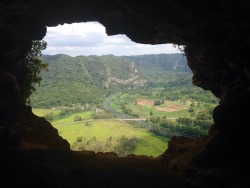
{"x": 109, "y": 135}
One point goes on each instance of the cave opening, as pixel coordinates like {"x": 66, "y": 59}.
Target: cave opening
{"x": 215, "y": 35}
{"x": 134, "y": 113}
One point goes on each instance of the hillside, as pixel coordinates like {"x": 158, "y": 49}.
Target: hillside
{"x": 88, "y": 79}
{"x": 80, "y": 80}
{"x": 161, "y": 68}
{"x": 160, "y": 62}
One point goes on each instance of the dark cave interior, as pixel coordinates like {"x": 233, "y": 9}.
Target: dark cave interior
{"x": 216, "y": 36}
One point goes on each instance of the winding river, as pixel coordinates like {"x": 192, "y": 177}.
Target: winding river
{"x": 115, "y": 113}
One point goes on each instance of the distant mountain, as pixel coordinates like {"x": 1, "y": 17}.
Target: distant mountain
{"x": 81, "y": 79}
{"x": 88, "y": 79}
{"x": 161, "y": 68}
{"x": 160, "y": 62}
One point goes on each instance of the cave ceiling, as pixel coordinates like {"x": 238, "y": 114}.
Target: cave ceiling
{"x": 181, "y": 22}
{"x": 215, "y": 33}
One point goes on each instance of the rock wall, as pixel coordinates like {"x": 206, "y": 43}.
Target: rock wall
{"x": 215, "y": 35}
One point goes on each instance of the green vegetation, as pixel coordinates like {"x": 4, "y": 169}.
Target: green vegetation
{"x": 104, "y": 135}
{"x": 28, "y": 72}
{"x": 71, "y": 117}
{"x": 111, "y": 135}
{"x": 181, "y": 110}
{"x": 161, "y": 68}
{"x": 42, "y": 112}
{"x": 89, "y": 94}
{"x": 63, "y": 116}
{"x": 89, "y": 79}
{"x": 81, "y": 80}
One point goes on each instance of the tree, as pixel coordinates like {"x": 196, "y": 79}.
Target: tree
{"x": 157, "y": 102}
{"x": 126, "y": 145}
{"x": 77, "y": 118}
{"x": 29, "y": 69}
{"x": 191, "y": 109}
{"x": 184, "y": 121}
{"x": 166, "y": 123}
{"x": 49, "y": 116}
{"x": 155, "y": 119}
{"x": 79, "y": 139}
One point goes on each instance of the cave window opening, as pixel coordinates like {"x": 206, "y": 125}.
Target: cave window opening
{"x": 108, "y": 94}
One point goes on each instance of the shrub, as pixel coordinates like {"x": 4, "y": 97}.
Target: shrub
{"x": 166, "y": 123}
{"x": 79, "y": 139}
{"x": 49, "y": 116}
{"x": 77, "y": 118}
{"x": 155, "y": 119}
{"x": 157, "y": 102}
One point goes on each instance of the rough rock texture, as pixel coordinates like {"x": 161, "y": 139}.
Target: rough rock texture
{"x": 19, "y": 127}
{"x": 216, "y": 36}
{"x": 64, "y": 168}
{"x": 25, "y": 130}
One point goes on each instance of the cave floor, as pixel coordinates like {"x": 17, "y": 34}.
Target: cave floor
{"x": 63, "y": 168}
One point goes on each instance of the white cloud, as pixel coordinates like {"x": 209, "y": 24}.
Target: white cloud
{"x": 91, "y": 39}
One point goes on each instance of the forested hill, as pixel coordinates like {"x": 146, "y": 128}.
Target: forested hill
{"x": 161, "y": 68}
{"x": 83, "y": 79}
{"x": 88, "y": 79}
{"x": 160, "y": 62}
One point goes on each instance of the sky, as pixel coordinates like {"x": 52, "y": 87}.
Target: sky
{"x": 90, "y": 38}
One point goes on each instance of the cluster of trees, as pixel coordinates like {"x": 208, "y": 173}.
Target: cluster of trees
{"x": 125, "y": 145}
{"x": 64, "y": 112}
{"x": 90, "y": 144}
{"x": 78, "y": 118}
{"x": 183, "y": 88}
{"x": 176, "y": 89}
{"x": 29, "y": 69}
{"x": 50, "y": 116}
{"x": 200, "y": 107}
{"x": 169, "y": 128}
{"x": 189, "y": 127}
{"x": 158, "y": 102}
{"x": 81, "y": 80}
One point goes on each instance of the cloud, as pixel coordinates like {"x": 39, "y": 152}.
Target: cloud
{"x": 90, "y": 38}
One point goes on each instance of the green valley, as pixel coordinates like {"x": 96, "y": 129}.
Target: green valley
{"x": 112, "y": 136}
{"x": 104, "y": 135}
{"x": 127, "y": 104}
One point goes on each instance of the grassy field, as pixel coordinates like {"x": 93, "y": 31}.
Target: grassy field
{"x": 144, "y": 106}
{"x": 65, "y": 119}
{"x": 70, "y": 118}
{"x": 105, "y": 135}
{"x": 41, "y": 112}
